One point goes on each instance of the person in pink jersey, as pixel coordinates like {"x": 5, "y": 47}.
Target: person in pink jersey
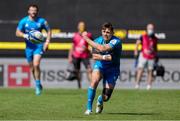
{"x": 147, "y": 55}
{"x": 80, "y": 52}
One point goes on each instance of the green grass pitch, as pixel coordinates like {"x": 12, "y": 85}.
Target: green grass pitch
{"x": 69, "y": 104}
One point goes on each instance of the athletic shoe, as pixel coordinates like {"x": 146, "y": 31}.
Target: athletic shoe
{"x": 88, "y": 112}
{"x": 99, "y": 108}
{"x": 38, "y": 90}
{"x": 137, "y": 86}
{"x": 148, "y": 87}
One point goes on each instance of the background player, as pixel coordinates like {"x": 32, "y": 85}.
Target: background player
{"x": 34, "y": 51}
{"x": 106, "y": 67}
{"x": 147, "y": 55}
{"x": 80, "y": 52}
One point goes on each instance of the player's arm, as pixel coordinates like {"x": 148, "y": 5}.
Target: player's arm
{"x": 156, "y": 46}
{"x": 19, "y": 33}
{"x": 102, "y": 57}
{"x": 101, "y": 48}
{"x": 46, "y": 44}
{"x": 96, "y": 55}
{"x": 48, "y": 38}
{"x": 156, "y": 50}
{"x": 70, "y": 54}
{"x": 19, "y": 30}
{"x": 90, "y": 49}
{"x": 138, "y": 42}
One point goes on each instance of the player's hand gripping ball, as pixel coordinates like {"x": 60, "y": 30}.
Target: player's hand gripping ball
{"x": 36, "y": 37}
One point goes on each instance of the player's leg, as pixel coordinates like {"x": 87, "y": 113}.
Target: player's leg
{"x": 150, "y": 74}
{"x": 29, "y": 57}
{"x": 87, "y": 65}
{"x": 37, "y": 54}
{"x": 104, "y": 97}
{"x": 77, "y": 65}
{"x": 150, "y": 79}
{"x": 138, "y": 77}
{"x": 36, "y": 65}
{"x": 96, "y": 77}
{"x": 79, "y": 79}
{"x": 140, "y": 68}
{"x": 31, "y": 68}
{"x": 109, "y": 82}
{"x": 37, "y": 73}
{"x": 32, "y": 64}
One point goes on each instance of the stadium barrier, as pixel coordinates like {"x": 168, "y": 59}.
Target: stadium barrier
{"x": 16, "y": 73}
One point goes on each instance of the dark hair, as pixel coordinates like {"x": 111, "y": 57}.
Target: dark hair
{"x": 107, "y": 25}
{"x": 34, "y": 6}
{"x": 81, "y": 22}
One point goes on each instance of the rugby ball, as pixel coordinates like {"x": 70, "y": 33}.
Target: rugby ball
{"x": 36, "y": 37}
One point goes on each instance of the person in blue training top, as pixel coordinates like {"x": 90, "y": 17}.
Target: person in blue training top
{"x": 34, "y": 51}
{"x": 107, "y": 52}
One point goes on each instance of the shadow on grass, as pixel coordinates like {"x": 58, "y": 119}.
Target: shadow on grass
{"x": 138, "y": 114}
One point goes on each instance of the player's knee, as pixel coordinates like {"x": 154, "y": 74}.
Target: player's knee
{"x": 89, "y": 70}
{"x": 32, "y": 69}
{"x": 36, "y": 66}
{"x": 107, "y": 94}
{"x": 94, "y": 83}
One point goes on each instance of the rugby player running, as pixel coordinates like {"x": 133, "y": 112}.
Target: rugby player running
{"x": 34, "y": 51}
{"x": 107, "y": 52}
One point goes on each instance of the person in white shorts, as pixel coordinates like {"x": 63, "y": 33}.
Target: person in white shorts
{"x": 147, "y": 56}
